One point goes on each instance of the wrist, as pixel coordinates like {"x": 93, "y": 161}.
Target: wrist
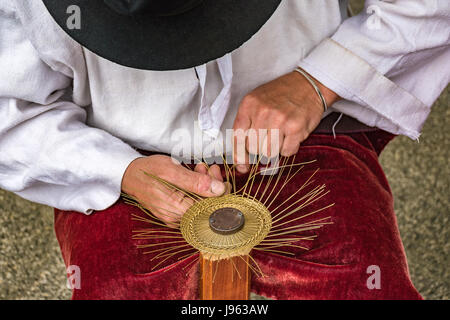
{"x": 329, "y": 95}
{"x": 129, "y": 175}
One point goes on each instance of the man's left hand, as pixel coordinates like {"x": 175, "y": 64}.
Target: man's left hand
{"x": 289, "y": 104}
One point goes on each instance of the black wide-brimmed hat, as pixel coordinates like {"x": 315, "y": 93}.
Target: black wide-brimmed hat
{"x": 162, "y": 34}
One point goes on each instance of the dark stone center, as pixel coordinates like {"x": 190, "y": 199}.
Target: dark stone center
{"x": 226, "y": 221}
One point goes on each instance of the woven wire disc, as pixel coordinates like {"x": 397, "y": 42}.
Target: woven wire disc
{"x": 195, "y": 227}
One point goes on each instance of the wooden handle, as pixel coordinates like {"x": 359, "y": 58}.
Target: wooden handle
{"x": 225, "y": 279}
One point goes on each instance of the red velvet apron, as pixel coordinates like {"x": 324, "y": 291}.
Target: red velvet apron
{"x": 364, "y": 233}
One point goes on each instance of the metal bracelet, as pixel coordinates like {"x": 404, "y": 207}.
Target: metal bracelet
{"x": 313, "y": 83}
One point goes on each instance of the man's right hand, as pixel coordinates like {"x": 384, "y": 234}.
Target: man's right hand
{"x": 164, "y": 202}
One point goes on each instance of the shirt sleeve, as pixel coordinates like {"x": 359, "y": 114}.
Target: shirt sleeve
{"x": 389, "y": 63}
{"x": 47, "y": 152}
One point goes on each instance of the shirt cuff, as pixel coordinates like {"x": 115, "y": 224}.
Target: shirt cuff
{"x": 108, "y": 188}
{"x": 353, "y": 79}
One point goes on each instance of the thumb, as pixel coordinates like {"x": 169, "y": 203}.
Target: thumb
{"x": 199, "y": 183}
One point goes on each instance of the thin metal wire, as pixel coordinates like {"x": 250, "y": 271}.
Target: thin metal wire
{"x": 261, "y": 232}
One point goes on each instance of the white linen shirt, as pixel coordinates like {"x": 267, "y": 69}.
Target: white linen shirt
{"x": 71, "y": 121}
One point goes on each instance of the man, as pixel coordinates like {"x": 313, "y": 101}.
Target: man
{"x": 384, "y": 68}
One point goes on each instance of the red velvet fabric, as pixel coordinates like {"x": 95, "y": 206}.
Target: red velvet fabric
{"x": 364, "y": 233}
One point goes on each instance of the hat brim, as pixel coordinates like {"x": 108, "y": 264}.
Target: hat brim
{"x": 203, "y": 34}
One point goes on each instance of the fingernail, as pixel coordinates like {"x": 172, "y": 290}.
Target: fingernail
{"x": 217, "y": 187}
{"x": 241, "y": 168}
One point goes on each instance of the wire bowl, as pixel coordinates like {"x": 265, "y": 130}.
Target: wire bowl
{"x": 196, "y": 230}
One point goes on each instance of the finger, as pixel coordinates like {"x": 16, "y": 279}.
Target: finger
{"x": 201, "y": 168}
{"x": 255, "y": 139}
{"x": 215, "y": 172}
{"x": 241, "y": 126}
{"x": 195, "y": 182}
{"x": 170, "y": 198}
{"x": 272, "y": 143}
{"x": 291, "y": 145}
{"x": 164, "y": 203}
{"x": 243, "y": 120}
{"x": 179, "y": 201}
{"x": 240, "y": 154}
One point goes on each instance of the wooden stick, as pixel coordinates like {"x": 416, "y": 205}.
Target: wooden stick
{"x": 225, "y": 279}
